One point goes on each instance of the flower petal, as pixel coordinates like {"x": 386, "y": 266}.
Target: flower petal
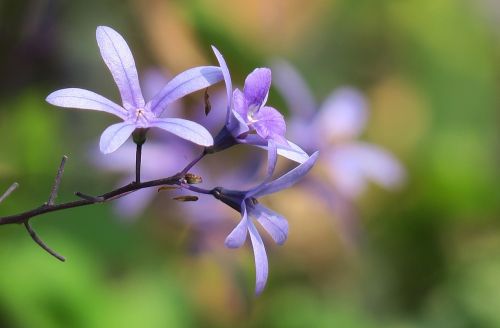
{"x": 238, "y": 236}
{"x": 270, "y": 124}
{"x": 85, "y": 99}
{"x": 272, "y": 159}
{"x": 227, "y": 81}
{"x": 261, "y": 265}
{"x": 114, "y": 136}
{"x": 237, "y": 126}
{"x": 345, "y": 172}
{"x": 287, "y": 180}
{"x": 240, "y": 105}
{"x": 379, "y": 165}
{"x": 290, "y": 151}
{"x": 119, "y": 59}
{"x": 294, "y": 89}
{"x": 257, "y": 86}
{"x": 343, "y": 115}
{"x": 189, "y": 81}
{"x": 185, "y": 129}
{"x": 275, "y": 224}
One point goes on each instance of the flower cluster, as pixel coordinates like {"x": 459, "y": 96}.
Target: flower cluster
{"x": 249, "y": 120}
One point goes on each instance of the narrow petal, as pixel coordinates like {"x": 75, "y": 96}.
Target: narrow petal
{"x": 227, "y": 81}
{"x": 189, "y": 81}
{"x": 290, "y": 151}
{"x": 379, "y": 165}
{"x": 261, "y": 265}
{"x": 275, "y": 224}
{"x": 345, "y": 172}
{"x": 119, "y": 59}
{"x": 257, "y": 86}
{"x": 270, "y": 124}
{"x": 185, "y": 129}
{"x": 343, "y": 115}
{"x": 237, "y": 237}
{"x": 287, "y": 180}
{"x": 272, "y": 159}
{"x": 114, "y": 136}
{"x": 85, "y": 99}
{"x": 240, "y": 105}
{"x": 237, "y": 125}
{"x": 294, "y": 89}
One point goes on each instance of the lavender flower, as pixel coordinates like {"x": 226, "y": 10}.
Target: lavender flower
{"x": 334, "y": 129}
{"x": 246, "y": 203}
{"x": 249, "y": 120}
{"x": 136, "y": 113}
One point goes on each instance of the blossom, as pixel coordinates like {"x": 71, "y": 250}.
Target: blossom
{"x": 249, "y": 120}
{"x": 334, "y": 129}
{"x": 247, "y": 204}
{"x": 135, "y": 112}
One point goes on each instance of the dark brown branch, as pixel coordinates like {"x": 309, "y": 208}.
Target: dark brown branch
{"x": 114, "y": 194}
{"x": 40, "y": 242}
{"x": 57, "y": 181}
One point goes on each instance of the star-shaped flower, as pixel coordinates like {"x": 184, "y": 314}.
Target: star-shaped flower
{"x": 249, "y": 120}
{"x": 334, "y": 129}
{"x": 135, "y": 112}
{"x": 247, "y": 204}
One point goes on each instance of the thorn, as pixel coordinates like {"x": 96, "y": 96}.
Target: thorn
{"x": 9, "y": 191}
{"x": 37, "y": 240}
{"x": 90, "y": 198}
{"x": 57, "y": 181}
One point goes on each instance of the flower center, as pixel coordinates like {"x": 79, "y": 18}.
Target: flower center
{"x": 141, "y": 117}
{"x": 252, "y": 110}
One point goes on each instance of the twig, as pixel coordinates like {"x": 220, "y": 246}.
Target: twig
{"x": 57, "y": 181}
{"x": 89, "y": 198}
{"x": 9, "y": 191}
{"x": 193, "y": 163}
{"x": 40, "y": 242}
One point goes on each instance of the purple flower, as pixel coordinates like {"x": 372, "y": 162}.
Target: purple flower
{"x": 136, "y": 113}
{"x": 249, "y": 120}
{"x": 247, "y": 204}
{"x": 334, "y": 130}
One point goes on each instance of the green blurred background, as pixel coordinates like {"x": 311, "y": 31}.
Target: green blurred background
{"x": 430, "y": 253}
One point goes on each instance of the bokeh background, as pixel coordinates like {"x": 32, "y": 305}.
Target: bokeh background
{"x": 426, "y": 255}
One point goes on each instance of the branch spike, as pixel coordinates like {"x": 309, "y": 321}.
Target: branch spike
{"x": 57, "y": 181}
{"x": 40, "y": 242}
{"x": 9, "y": 191}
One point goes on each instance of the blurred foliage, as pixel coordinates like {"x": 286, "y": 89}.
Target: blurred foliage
{"x": 428, "y": 256}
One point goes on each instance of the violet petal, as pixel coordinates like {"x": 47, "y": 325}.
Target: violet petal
{"x": 238, "y": 236}
{"x": 287, "y": 180}
{"x": 117, "y": 56}
{"x": 257, "y": 86}
{"x": 227, "y": 81}
{"x": 261, "y": 264}
{"x": 275, "y": 224}
{"x": 189, "y": 81}
{"x": 85, "y": 99}
{"x": 270, "y": 124}
{"x": 114, "y": 136}
{"x": 185, "y": 129}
